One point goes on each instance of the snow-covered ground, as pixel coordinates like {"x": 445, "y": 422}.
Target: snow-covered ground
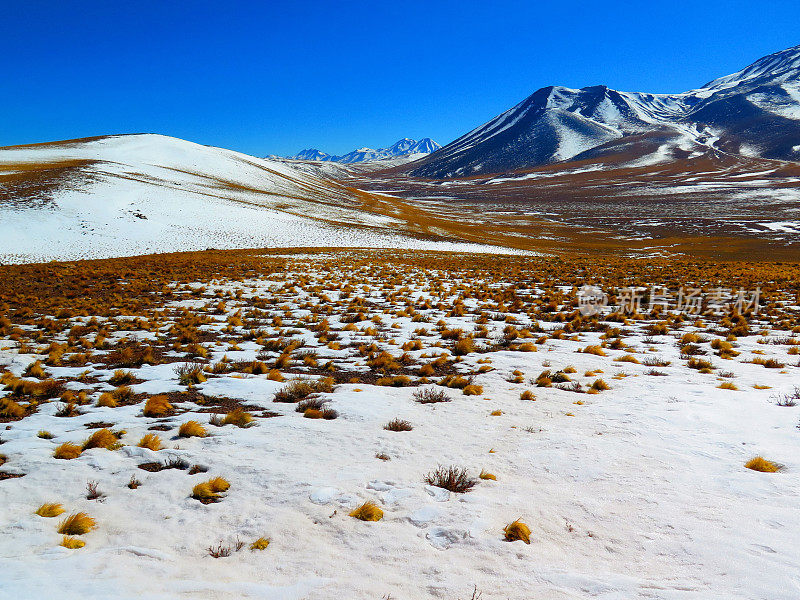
{"x": 149, "y": 193}
{"x": 637, "y": 492}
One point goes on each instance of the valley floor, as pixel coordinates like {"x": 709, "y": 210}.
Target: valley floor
{"x": 620, "y": 440}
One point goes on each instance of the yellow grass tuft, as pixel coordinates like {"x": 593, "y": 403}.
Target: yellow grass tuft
{"x": 157, "y": 406}
{"x": 761, "y": 464}
{"x": 238, "y": 417}
{"x": 369, "y": 511}
{"x": 192, "y": 429}
{"x": 596, "y": 350}
{"x": 219, "y": 484}
{"x": 67, "y": 451}
{"x": 77, "y": 524}
{"x": 312, "y": 413}
{"x": 496, "y": 413}
{"x": 472, "y": 390}
{"x": 107, "y": 400}
{"x": 72, "y": 543}
{"x": 727, "y": 385}
{"x": 204, "y": 491}
{"x": 260, "y": 544}
{"x": 517, "y": 530}
{"x": 527, "y": 395}
{"x": 50, "y": 509}
{"x": 487, "y": 475}
{"x": 150, "y": 441}
{"x": 102, "y": 438}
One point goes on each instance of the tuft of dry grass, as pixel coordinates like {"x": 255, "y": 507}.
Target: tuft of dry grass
{"x": 761, "y": 464}
{"x": 204, "y": 492}
{"x": 238, "y": 417}
{"x": 596, "y": 350}
{"x": 67, "y": 451}
{"x": 157, "y": 406}
{"x": 150, "y": 441}
{"x": 487, "y": 475}
{"x": 50, "y": 509}
{"x": 599, "y": 386}
{"x": 527, "y": 395}
{"x": 219, "y": 484}
{"x": 517, "y": 531}
{"x": 107, "y": 400}
{"x": 260, "y": 544}
{"x": 398, "y": 425}
{"x": 192, "y": 429}
{"x": 430, "y": 396}
{"x": 454, "y": 479}
{"x": 121, "y": 377}
{"x": 102, "y": 438}
{"x": 727, "y": 385}
{"x": 472, "y": 390}
{"x": 77, "y": 524}
{"x": 369, "y": 511}
{"x": 72, "y": 543}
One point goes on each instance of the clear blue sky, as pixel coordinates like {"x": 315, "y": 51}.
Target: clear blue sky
{"x": 275, "y": 77}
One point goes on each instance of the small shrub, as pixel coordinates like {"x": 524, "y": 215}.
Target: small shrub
{"x": 67, "y": 451}
{"x": 329, "y": 414}
{"x": 190, "y": 374}
{"x": 192, "y": 429}
{"x": 454, "y": 479}
{"x": 157, "y": 406}
{"x": 134, "y": 483}
{"x": 77, "y": 524}
{"x": 310, "y": 404}
{"x": 150, "y": 441}
{"x": 369, "y": 511}
{"x": 761, "y": 464}
{"x": 430, "y": 396}
{"x": 517, "y": 530}
{"x": 50, "y": 509}
{"x": 398, "y": 425}
{"x": 92, "y": 492}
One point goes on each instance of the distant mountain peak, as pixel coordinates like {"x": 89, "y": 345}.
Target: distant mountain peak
{"x": 402, "y": 147}
{"x": 754, "y": 112}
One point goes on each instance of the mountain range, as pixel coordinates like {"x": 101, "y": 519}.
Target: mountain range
{"x": 403, "y": 147}
{"x": 754, "y": 112}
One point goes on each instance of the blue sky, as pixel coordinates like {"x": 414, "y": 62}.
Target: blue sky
{"x": 275, "y": 77}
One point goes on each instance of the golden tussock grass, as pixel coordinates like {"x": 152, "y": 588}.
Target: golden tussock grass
{"x": 487, "y": 475}
{"x": 67, "y": 451}
{"x": 761, "y": 464}
{"x": 50, "y": 509}
{"x": 596, "y": 350}
{"x": 517, "y": 531}
{"x": 599, "y": 385}
{"x": 727, "y": 385}
{"x": 107, "y": 400}
{"x": 238, "y": 417}
{"x": 157, "y": 406}
{"x": 77, "y": 524}
{"x": 369, "y": 511}
{"x": 204, "y": 492}
{"x": 102, "y": 438}
{"x": 192, "y": 429}
{"x": 527, "y": 395}
{"x": 496, "y": 413}
{"x": 219, "y": 484}
{"x": 72, "y": 543}
{"x": 260, "y": 544}
{"x": 472, "y": 390}
{"x": 150, "y": 441}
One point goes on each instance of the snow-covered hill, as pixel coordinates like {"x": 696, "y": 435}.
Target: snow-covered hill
{"x": 403, "y": 147}
{"x": 137, "y": 194}
{"x": 754, "y": 112}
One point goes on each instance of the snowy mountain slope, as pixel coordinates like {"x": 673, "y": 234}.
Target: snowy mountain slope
{"x": 403, "y": 147}
{"x": 755, "y": 112}
{"x": 134, "y": 194}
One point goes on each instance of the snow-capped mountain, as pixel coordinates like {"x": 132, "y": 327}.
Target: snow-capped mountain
{"x": 403, "y": 147}
{"x": 754, "y": 112}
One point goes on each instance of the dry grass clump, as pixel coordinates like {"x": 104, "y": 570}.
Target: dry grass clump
{"x": 629, "y": 358}
{"x": 527, "y": 395}
{"x": 312, "y": 413}
{"x": 123, "y": 394}
{"x": 72, "y": 543}
{"x": 107, "y": 400}
{"x": 394, "y": 381}
{"x": 50, "y": 509}
{"x": 761, "y": 464}
{"x": 35, "y": 369}
{"x": 150, "y": 441}
{"x": 260, "y": 544}
{"x": 67, "y": 451}
{"x": 486, "y": 475}
{"x": 209, "y": 491}
{"x": 238, "y": 417}
{"x": 190, "y": 374}
{"x": 77, "y": 524}
{"x": 454, "y": 479}
{"x": 517, "y": 531}
{"x": 599, "y": 386}
{"x": 472, "y": 390}
{"x": 369, "y": 511}
{"x": 398, "y": 425}
{"x": 102, "y": 438}
{"x": 10, "y": 409}
{"x": 45, "y": 435}
{"x": 430, "y": 396}
{"x": 727, "y": 385}
{"x": 192, "y": 429}
{"x": 157, "y": 406}
{"x": 121, "y": 377}
{"x": 299, "y": 389}
{"x": 596, "y": 350}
